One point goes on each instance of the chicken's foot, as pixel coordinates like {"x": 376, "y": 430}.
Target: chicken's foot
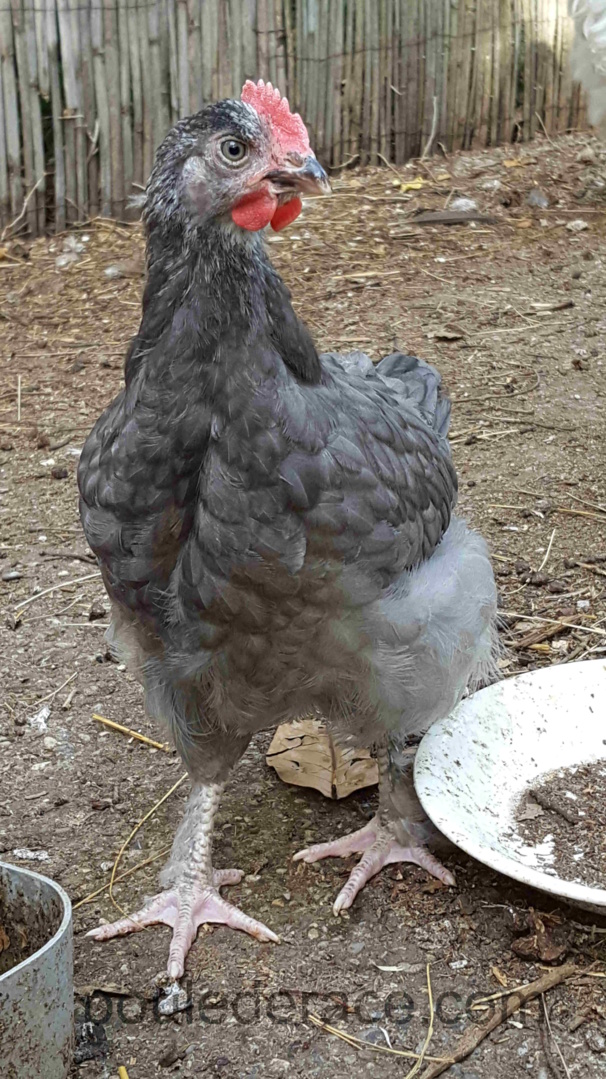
{"x": 379, "y": 847}
{"x": 191, "y": 898}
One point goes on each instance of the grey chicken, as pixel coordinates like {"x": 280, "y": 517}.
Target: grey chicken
{"x": 274, "y": 527}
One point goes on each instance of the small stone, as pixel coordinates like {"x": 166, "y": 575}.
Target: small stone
{"x": 6, "y": 445}
{"x": 595, "y": 1040}
{"x": 521, "y": 567}
{"x": 587, "y": 156}
{"x": 59, "y": 473}
{"x": 463, "y": 205}
{"x": 556, "y": 587}
{"x": 578, "y": 225}
{"x": 96, "y": 611}
{"x": 373, "y": 1036}
{"x": 537, "y": 198}
{"x": 313, "y": 933}
{"x": 49, "y": 742}
{"x": 12, "y": 575}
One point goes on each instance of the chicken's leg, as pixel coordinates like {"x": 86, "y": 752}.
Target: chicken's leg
{"x": 398, "y": 833}
{"x": 191, "y": 897}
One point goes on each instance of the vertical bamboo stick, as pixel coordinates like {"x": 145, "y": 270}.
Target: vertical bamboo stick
{"x": 70, "y": 91}
{"x": 146, "y": 90}
{"x": 289, "y": 22}
{"x": 52, "y": 37}
{"x": 237, "y": 29}
{"x": 262, "y": 39}
{"x": 105, "y": 169}
{"x": 88, "y": 109}
{"x": 182, "y": 57}
{"x": 4, "y": 188}
{"x": 112, "y": 83}
{"x": 139, "y": 176}
{"x": 11, "y": 109}
{"x": 25, "y": 109}
{"x": 249, "y": 22}
{"x": 39, "y": 198}
{"x": 280, "y": 45}
{"x": 125, "y": 99}
{"x": 223, "y": 52}
{"x": 347, "y": 76}
{"x": 159, "y": 88}
{"x": 194, "y": 56}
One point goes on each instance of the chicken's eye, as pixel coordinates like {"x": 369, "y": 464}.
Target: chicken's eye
{"x": 234, "y": 151}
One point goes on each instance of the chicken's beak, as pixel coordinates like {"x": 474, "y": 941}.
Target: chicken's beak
{"x": 306, "y": 179}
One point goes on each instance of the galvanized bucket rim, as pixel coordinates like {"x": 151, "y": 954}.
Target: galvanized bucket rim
{"x": 65, "y": 921}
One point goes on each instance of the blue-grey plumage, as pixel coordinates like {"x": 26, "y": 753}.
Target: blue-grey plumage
{"x": 275, "y": 528}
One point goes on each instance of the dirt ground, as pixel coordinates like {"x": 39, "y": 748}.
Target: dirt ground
{"x": 513, "y": 312}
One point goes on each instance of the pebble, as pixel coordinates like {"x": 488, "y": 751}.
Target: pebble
{"x": 578, "y": 225}
{"x": 373, "y": 1035}
{"x": 537, "y": 198}
{"x": 587, "y": 156}
{"x": 463, "y": 205}
{"x": 49, "y": 742}
{"x": 595, "y": 1040}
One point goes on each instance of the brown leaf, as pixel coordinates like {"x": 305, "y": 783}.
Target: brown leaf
{"x": 303, "y": 753}
{"x": 4, "y": 939}
{"x": 547, "y": 943}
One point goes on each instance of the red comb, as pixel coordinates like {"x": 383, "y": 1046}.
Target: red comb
{"x": 288, "y": 127}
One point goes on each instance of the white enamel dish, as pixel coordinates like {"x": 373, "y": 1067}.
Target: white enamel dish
{"x": 472, "y": 768}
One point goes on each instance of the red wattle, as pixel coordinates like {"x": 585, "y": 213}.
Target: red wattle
{"x": 287, "y": 213}
{"x": 255, "y": 211}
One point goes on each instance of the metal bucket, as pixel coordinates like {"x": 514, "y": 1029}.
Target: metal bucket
{"x": 36, "y": 976}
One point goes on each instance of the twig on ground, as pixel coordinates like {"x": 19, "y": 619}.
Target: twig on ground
{"x": 132, "y": 836}
{"x": 474, "y": 1036}
{"x": 127, "y": 873}
{"x": 547, "y": 552}
{"x": 415, "y": 1068}
{"x": 132, "y": 734}
{"x": 49, "y": 696}
{"x": 552, "y": 1035}
{"x": 55, "y": 588}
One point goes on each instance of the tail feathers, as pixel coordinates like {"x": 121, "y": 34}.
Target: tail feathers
{"x": 422, "y": 384}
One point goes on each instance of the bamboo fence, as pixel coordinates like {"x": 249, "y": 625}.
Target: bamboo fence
{"x": 88, "y": 88}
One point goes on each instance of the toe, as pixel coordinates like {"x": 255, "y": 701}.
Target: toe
{"x": 219, "y": 911}
{"x": 223, "y": 877}
{"x": 354, "y": 843}
{"x": 158, "y": 912}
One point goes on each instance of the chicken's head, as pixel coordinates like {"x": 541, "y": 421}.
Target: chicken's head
{"x": 241, "y": 163}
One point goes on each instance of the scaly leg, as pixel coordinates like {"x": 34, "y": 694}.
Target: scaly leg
{"x": 396, "y": 834}
{"x": 191, "y": 897}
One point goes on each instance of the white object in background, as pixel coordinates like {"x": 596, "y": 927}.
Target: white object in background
{"x": 473, "y": 767}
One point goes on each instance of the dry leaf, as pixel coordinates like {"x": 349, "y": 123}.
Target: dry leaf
{"x": 501, "y": 978}
{"x": 445, "y": 333}
{"x": 524, "y": 223}
{"x": 303, "y": 753}
{"x": 413, "y": 185}
{"x": 514, "y": 163}
{"x": 443, "y": 176}
{"x": 4, "y": 939}
{"x": 530, "y": 811}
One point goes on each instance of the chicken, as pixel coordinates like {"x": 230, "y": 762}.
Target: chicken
{"x": 588, "y": 56}
{"x": 274, "y": 528}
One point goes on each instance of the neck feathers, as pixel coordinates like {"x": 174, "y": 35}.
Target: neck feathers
{"x": 218, "y": 286}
